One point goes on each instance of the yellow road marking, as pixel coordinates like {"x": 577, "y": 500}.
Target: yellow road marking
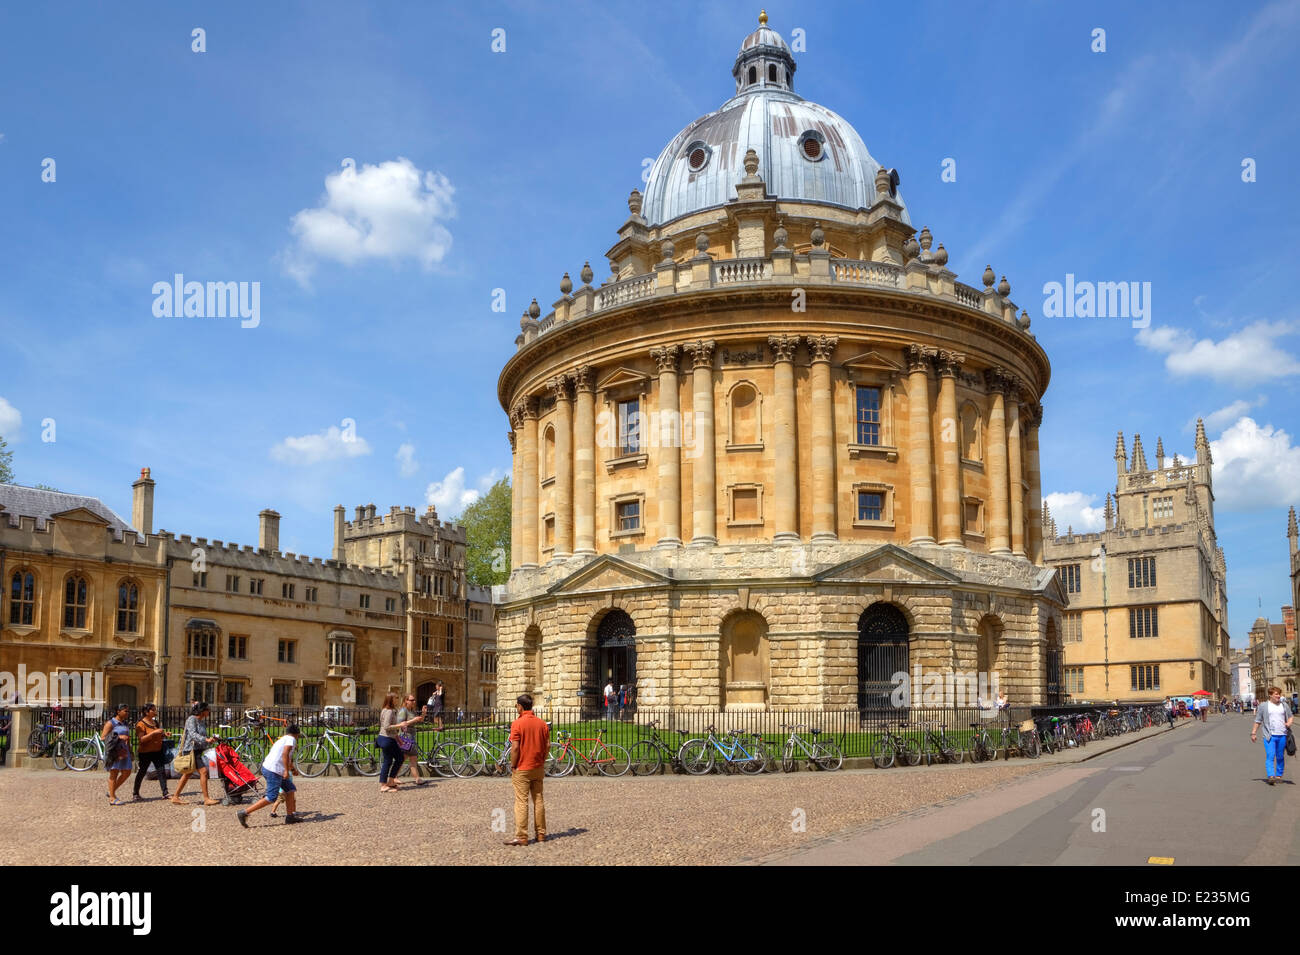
{"x": 1160, "y": 860}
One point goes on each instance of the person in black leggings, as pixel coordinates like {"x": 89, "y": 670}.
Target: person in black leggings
{"x": 149, "y": 748}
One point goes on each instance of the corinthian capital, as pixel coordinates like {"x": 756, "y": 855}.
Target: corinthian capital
{"x": 701, "y": 353}
{"x": 783, "y": 346}
{"x": 822, "y": 346}
{"x": 919, "y": 357}
{"x": 584, "y": 378}
{"x": 559, "y": 386}
{"x": 948, "y": 363}
{"x": 666, "y": 357}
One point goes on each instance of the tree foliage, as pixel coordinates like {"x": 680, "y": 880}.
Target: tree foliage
{"x": 6, "y": 463}
{"x": 487, "y": 536}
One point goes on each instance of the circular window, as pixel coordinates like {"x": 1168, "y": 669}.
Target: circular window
{"x": 697, "y": 156}
{"x": 811, "y": 144}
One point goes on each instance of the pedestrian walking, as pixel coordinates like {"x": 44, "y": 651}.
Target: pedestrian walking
{"x": 194, "y": 740}
{"x": 437, "y": 700}
{"x": 530, "y": 741}
{"x": 406, "y": 741}
{"x": 278, "y": 769}
{"x": 389, "y": 728}
{"x": 609, "y": 700}
{"x": 1274, "y": 717}
{"x": 1169, "y": 711}
{"x": 150, "y": 737}
{"x": 116, "y": 735}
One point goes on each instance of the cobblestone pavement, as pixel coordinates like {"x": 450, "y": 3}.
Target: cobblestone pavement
{"x": 63, "y": 817}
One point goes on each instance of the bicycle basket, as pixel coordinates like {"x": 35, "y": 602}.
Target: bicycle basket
{"x": 1027, "y": 726}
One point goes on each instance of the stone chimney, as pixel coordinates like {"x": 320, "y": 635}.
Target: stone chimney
{"x": 142, "y": 503}
{"x": 339, "y": 514}
{"x": 268, "y": 531}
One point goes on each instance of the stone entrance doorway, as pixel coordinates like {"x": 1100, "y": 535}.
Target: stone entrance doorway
{"x": 882, "y": 652}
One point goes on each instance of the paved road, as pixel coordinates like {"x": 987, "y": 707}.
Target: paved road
{"x": 1196, "y": 794}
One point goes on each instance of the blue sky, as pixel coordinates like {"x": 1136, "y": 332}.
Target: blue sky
{"x": 477, "y": 170}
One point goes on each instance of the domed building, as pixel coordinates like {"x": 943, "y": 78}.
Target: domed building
{"x": 781, "y": 454}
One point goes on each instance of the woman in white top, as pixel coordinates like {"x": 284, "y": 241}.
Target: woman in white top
{"x": 1275, "y": 717}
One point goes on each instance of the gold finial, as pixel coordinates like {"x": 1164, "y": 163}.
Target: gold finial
{"x": 762, "y": 18}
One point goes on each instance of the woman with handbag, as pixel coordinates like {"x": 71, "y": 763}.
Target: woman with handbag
{"x": 406, "y": 740}
{"x": 1274, "y": 717}
{"x": 190, "y": 761}
{"x": 117, "y": 751}
{"x": 149, "y": 738}
{"x": 389, "y": 729}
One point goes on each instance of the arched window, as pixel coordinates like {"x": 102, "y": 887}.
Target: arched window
{"x": 74, "y": 603}
{"x": 753, "y": 74}
{"x": 971, "y": 448}
{"x": 22, "y": 598}
{"x": 746, "y": 415}
{"x": 771, "y": 73}
{"x": 548, "y": 451}
{"x": 128, "y": 607}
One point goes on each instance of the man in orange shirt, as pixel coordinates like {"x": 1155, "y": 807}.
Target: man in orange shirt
{"x": 530, "y": 742}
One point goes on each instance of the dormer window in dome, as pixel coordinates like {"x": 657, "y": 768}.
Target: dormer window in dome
{"x": 697, "y": 155}
{"x": 812, "y": 145}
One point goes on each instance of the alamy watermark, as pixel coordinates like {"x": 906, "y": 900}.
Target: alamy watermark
{"x": 1085, "y": 299}
{"x": 182, "y": 299}
{"x": 947, "y": 688}
{"x": 67, "y": 687}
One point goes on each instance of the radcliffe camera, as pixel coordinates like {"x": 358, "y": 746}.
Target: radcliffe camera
{"x": 651, "y": 436}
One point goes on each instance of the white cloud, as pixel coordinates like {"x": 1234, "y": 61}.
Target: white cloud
{"x": 391, "y": 211}
{"x": 1076, "y": 509}
{"x": 1254, "y": 467}
{"x": 450, "y": 495}
{"x": 406, "y": 459}
{"x": 1249, "y": 355}
{"x": 11, "y": 419}
{"x": 332, "y": 444}
{"x": 1218, "y": 420}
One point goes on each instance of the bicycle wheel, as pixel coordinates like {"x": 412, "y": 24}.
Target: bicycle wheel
{"x": 614, "y": 761}
{"x": 366, "y": 760}
{"x": 562, "y": 761}
{"x": 36, "y": 744}
{"x": 83, "y": 756}
{"x": 61, "y": 754}
{"x": 647, "y": 760}
{"x": 313, "y": 760}
{"x": 696, "y": 756}
{"x": 750, "y": 761}
{"x": 467, "y": 761}
{"x": 787, "y": 757}
{"x": 949, "y": 752}
{"x": 439, "y": 760}
{"x": 827, "y": 756}
{"x": 882, "y": 752}
{"x": 912, "y": 750}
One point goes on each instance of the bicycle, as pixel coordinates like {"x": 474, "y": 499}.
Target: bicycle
{"x": 891, "y": 747}
{"x": 698, "y": 755}
{"x": 332, "y": 747}
{"x": 1023, "y": 740}
{"x": 86, "y": 753}
{"x": 609, "y": 758}
{"x": 981, "y": 745}
{"x": 937, "y": 743}
{"x": 822, "y": 753}
{"x": 48, "y": 740}
{"x": 481, "y": 755}
{"x": 649, "y": 755}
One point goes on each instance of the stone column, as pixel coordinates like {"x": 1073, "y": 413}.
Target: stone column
{"x": 821, "y": 347}
{"x": 1015, "y": 472}
{"x": 516, "y": 492}
{"x": 527, "y": 409}
{"x": 704, "y": 524}
{"x": 1034, "y": 417}
{"x": 785, "y": 499}
{"x": 948, "y": 364}
{"x": 584, "y": 462}
{"x": 919, "y": 442}
{"x": 670, "y": 453}
{"x": 563, "y": 466}
{"x": 999, "y": 539}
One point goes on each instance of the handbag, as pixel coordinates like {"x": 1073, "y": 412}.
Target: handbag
{"x": 184, "y": 763}
{"x": 1290, "y": 743}
{"x": 405, "y": 742}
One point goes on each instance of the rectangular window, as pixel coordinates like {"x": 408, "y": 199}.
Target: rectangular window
{"x": 311, "y": 694}
{"x": 201, "y": 579}
{"x": 871, "y": 506}
{"x": 255, "y": 585}
{"x": 1145, "y": 676}
{"x": 1070, "y": 578}
{"x": 201, "y": 690}
{"x": 629, "y": 515}
{"x": 451, "y": 637}
{"x": 341, "y": 653}
{"x": 365, "y": 601}
{"x": 1072, "y": 628}
{"x": 487, "y": 663}
{"x": 232, "y": 583}
{"x": 363, "y": 695}
{"x": 1143, "y": 622}
{"x": 868, "y": 415}
{"x": 548, "y": 538}
{"x": 283, "y": 694}
{"x": 629, "y": 427}
{"x": 237, "y": 648}
{"x": 286, "y": 651}
{"x": 234, "y": 693}
{"x": 287, "y": 591}
{"x": 744, "y": 502}
{"x": 1163, "y": 507}
{"x": 1074, "y": 680}
{"x": 394, "y": 656}
{"x": 202, "y": 644}
{"x": 311, "y": 595}
{"x": 1141, "y": 572}
{"x": 390, "y": 604}
{"x": 971, "y": 514}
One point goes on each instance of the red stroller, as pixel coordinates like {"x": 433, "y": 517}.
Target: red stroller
{"x": 237, "y": 778}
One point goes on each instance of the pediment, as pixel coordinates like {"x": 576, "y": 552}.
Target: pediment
{"x": 624, "y": 377}
{"x": 608, "y": 573}
{"x": 1051, "y": 587}
{"x": 885, "y": 564}
{"x": 81, "y": 514}
{"x": 873, "y": 361}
